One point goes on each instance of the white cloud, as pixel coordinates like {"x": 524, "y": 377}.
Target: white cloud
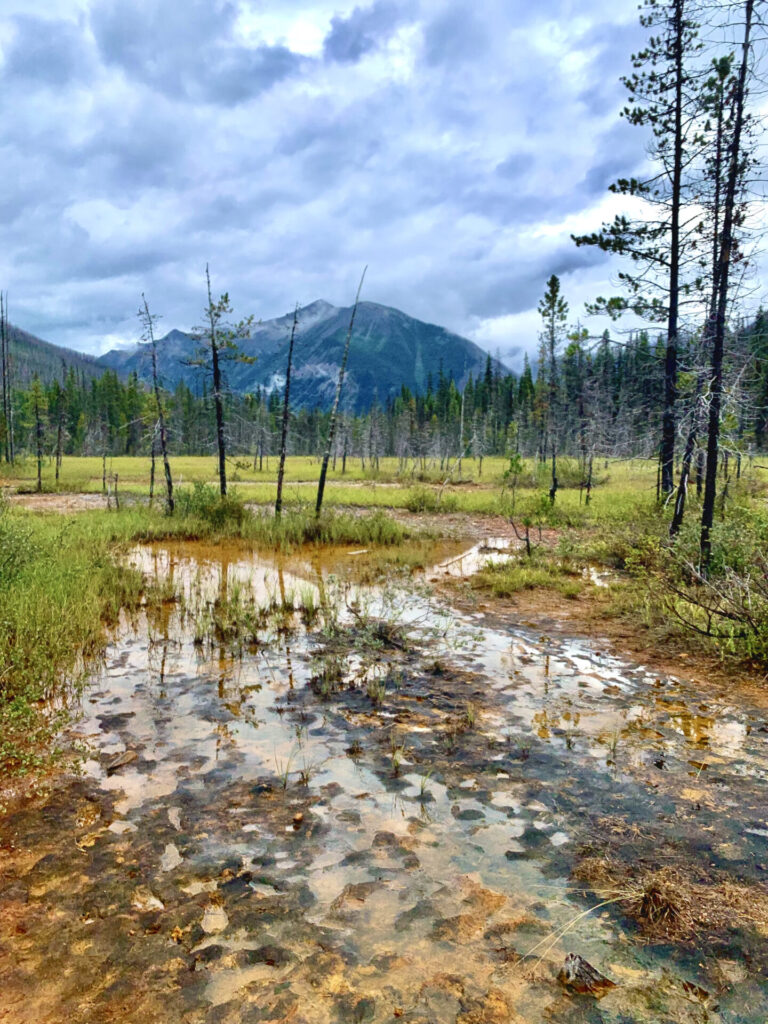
{"x": 451, "y": 148}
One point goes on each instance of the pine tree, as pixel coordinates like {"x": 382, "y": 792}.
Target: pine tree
{"x": 554, "y": 311}
{"x": 663, "y": 97}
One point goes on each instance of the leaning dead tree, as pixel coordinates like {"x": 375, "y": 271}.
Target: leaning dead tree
{"x": 5, "y": 358}
{"x": 148, "y": 321}
{"x": 286, "y": 416}
{"x": 335, "y": 406}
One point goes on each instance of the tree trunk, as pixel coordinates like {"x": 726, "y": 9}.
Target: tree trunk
{"x": 39, "y": 441}
{"x": 169, "y": 502}
{"x": 217, "y": 398}
{"x": 685, "y": 470}
{"x": 152, "y": 471}
{"x": 670, "y": 362}
{"x": 59, "y": 439}
{"x": 7, "y": 379}
{"x": 726, "y": 243}
{"x": 286, "y": 417}
{"x": 335, "y": 406}
{"x": 4, "y": 362}
{"x": 461, "y": 431}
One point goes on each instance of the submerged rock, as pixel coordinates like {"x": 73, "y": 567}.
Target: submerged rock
{"x": 578, "y": 975}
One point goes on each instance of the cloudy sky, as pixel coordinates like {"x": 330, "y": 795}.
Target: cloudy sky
{"x": 452, "y": 147}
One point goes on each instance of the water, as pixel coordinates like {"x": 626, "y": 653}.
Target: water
{"x": 396, "y": 844}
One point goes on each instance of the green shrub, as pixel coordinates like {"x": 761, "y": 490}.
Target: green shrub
{"x": 202, "y": 501}
{"x": 429, "y": 499}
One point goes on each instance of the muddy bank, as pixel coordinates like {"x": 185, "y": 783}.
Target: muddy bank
{"x": 589, "y": 614}
{"x": 310, "y": 799}
{"x": 64, "y": 503}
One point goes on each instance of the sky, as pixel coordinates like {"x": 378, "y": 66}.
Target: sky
{"x": 451, "y": 147}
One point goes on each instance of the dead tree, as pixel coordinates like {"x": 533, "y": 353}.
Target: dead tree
{"x": 148, "y": 321}
{"x": 286, "y": 416}
{"x": 335, "y": 406}
{"x": 5, "y": 349}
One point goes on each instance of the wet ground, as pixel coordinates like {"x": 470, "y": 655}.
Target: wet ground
{"x": 306, "y": 798}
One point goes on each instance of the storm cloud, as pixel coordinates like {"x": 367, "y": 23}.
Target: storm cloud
{"x": 452, "y": 148}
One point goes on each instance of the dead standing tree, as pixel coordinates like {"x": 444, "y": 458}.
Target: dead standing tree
{"x": 5, "y": 352}
{"x": 148, "y": 321}
{"x": 335, "y": 406}
{"x": 286, "y": 416}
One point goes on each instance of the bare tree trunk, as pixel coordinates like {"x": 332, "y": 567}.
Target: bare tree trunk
{"x": 217, "y": 398}
{"x": 685, "y": 471}
{"x": 59, "y": 440}
{"x": 39, "y": 439}
{"x": 726, "y": 244}
{"x": 461, "y": 431}
{"x": 286, "y": 417}
{"x": 7, "y": 378}
{"x": 4, "y": 359}
{"x": 148, "y": 320}
{"x": 553, "y": 488}
{"x": 670, "y": 362}
{"x": 335, "y": 406}
{"x": 152, "y": 469}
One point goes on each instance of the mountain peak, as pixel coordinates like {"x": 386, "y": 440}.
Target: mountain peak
{"x": 389, "y": 350}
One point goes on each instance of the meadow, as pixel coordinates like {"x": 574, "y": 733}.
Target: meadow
{"x": 620, "y": 486}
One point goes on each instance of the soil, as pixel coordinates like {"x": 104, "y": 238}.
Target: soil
{"x": 587, "y": 614}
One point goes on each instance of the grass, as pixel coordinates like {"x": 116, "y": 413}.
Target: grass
{"x": 416, "y": 488}
{"x": 505, "y": 579}
{"x": 59, "y": 587}
{"x": 670, "y": 904}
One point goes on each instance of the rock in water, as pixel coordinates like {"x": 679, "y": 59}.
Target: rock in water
{"x": 578, "y": 975}
{"x": 121, "y": 761}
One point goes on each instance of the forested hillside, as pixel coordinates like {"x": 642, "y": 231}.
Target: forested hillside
{"x": 608, "y": 400}
{"x": 31, "y": 356}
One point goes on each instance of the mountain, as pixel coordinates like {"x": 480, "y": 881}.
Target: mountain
{"x": 389, "y": 349}
{"x": 31, "y": 355}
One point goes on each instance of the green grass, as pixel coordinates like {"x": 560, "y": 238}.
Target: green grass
{"x": 59, "y": 587}
{"x": 541, "y": 571}
{"x": 625, "y": 487}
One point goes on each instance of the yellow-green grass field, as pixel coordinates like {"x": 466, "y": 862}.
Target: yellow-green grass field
{"x": 621, "y": 487}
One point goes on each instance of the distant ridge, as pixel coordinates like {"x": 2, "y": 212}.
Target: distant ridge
{"x": 389, "y": 350}
{"x": 31, "y": 355}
